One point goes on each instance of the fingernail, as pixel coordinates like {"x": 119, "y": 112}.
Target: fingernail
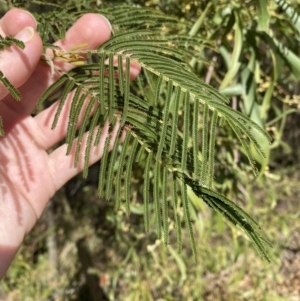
{"x": 32, "y": 16}
{"x": 25, "y": 35}
{"x": 106, "y": 21}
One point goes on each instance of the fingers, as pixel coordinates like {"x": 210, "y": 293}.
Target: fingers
{"x": 90, "y": 29}
{"x": 16, "y": 64}
{"x": 45, "y": 119}
{"x": 60, "y": 162}
{"x": 15, "y": 20}
{"x": 135, "y": 68}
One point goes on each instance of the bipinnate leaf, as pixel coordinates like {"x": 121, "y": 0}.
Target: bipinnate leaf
{"x": 163, "y": 123}
{"x": 2, "y": 133}
{"x": 12, "y": 90}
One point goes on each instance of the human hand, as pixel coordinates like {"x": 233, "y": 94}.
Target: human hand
{"x": 29, "y": 176}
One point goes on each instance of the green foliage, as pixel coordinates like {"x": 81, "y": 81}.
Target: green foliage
{"x": 1, "y": 128}
{"x": 128, "y": 261}
{"x": 171, "y": 147}
{"x": 5, "y": 43}
{"x": 9, "y": 41}
{"x": 185, "y": 143}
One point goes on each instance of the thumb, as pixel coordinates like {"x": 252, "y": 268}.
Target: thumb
{"x": 17, "y": 64}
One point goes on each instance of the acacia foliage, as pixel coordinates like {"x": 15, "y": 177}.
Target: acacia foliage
{"x": 173, "y": 118}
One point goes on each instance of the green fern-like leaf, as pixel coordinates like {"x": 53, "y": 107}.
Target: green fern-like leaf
{"x": 12, "y": 90}
{"x": 187, "y": 218}
{"x": 178, "y": 99}
{"x": 8, "y": 41}
{"x": 118, "y": 195}
{"x": 146, "y": 191}
{"x": 204, "y": 143}
{"x": 176, "y": 214}
{"x": 157, "y": 198}
{"x": 163, "y": 123}
{"x": 195, "y": 134}
{"x": 112, "y": 165}
{"x": 128, "y": 170}
{"x": 2, "y": 133}
{"x": 166, "y": 117}
{"x": 291, "y": 12}
{"x": 102, "y": 173}
{"x": 211, "y": 149}
{"x": 165, "y": 205}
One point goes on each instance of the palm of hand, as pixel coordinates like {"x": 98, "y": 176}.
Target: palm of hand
{"x": 29, "y": 176}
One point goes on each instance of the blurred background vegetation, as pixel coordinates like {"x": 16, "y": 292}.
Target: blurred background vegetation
{"x": 82, "y": 249}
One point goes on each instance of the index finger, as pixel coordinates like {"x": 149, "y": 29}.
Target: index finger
{"x": 90, "y": 29}
{"x": 16, "y": 64}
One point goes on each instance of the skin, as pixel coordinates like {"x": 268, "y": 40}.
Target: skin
{"x": 29, "y": 173}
